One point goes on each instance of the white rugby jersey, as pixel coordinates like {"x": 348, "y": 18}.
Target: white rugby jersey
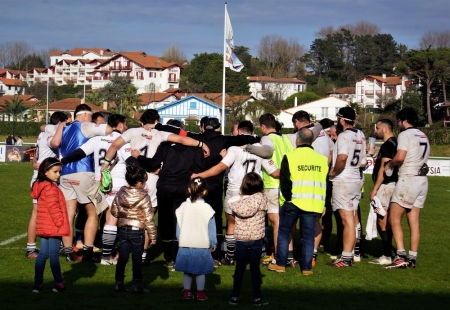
{"x": 146, "y": 141}
{"x": 322, "y": 144}
{"x": 43, "y": 149}
{"x": 417, "y": 148}
{"x": 352, "y": 143}
{"x": 88, "y": 129}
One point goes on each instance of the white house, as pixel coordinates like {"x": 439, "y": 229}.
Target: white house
{"x": 147, "y": 73}
{"x": 156, "y": 100}
{"x": 375, "y": 91}
{"x": 282, "y": 88}
{"x": 324, "y": 108}
{"x": 191, "y": 108}
{"x": 81, "y": 53}
{"x": 346, "y": 93}
{"x": 10, "y": 86}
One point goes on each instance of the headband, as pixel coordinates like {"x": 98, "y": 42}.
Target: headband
{"x": 197, "y": 180}
{"x": 55, "y": 163}
{"x": 347, "y": 119}
{"x": 82, "y": 112}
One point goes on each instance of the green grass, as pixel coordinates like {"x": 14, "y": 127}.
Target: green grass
{"x": 363, "y": 286}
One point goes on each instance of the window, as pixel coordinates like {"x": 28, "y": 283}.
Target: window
{"x": 324, "y": 112}
{"x": 193, "y": 105}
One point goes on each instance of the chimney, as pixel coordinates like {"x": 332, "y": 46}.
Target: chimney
{"x": 105, "y": 105}
{"x": 295, "y": 102}
{"x": 84, "y": 52}
{"x": 384, "y": 75}
{"x": 101, "y": 52}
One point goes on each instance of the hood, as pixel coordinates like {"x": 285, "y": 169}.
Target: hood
{"x": 130, "y": 196}
{"x": 211, "y": 134}
{"x": 37, "y": 188}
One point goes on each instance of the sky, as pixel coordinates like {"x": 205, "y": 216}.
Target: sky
{"x": 197, "y": 26}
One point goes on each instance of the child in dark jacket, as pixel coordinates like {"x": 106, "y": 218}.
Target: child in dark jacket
{"x": 52, "y": 222}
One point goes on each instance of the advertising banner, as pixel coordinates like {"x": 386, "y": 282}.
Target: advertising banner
{"x": 13, "y": 153}
{"x": 439, "y": 166}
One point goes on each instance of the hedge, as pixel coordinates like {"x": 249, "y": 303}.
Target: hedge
{"x": 24, "y": 129}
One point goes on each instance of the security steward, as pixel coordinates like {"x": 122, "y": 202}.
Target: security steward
{"x": 303, "y": 177}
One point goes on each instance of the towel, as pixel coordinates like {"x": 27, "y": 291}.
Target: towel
{"x": 371, "y": 226}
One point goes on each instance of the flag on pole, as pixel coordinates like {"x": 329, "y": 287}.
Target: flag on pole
{"x": 231, "y": 60}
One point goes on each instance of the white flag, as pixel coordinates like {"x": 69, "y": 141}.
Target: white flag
{"x": 231, "y": 61}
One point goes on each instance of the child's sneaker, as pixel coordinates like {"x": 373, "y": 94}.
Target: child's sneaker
{"x": 187, "y": 294}
{"x": 201, "y": 296}
{"x": 37, "y": 288}
{"x": 59, "y": 287}
{"x": 234, "y": 301}
{"x": 260, "y": 302}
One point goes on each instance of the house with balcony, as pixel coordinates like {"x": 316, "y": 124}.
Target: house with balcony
{"x": 13, "y": 74}
{"x": 10, "y": 86}
{"x": 376, "y": 91}
{"x": 79, "y": 71}
{"x": 81, "y": 53}
{"x": 346, "y": 93}
{"x": 281, "y": 88}
{"x": 147, "y": 73}
{"x": 156, "y": 100}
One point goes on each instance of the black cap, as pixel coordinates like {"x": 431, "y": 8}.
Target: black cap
{"x": 212, "y": 123}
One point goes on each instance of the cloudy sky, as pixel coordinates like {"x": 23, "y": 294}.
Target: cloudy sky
{"x": 196, "y": 26}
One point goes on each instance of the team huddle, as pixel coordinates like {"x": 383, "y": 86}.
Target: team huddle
{"x": 190, "y": 179}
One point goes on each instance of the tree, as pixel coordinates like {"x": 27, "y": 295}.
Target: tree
{"x": 14, "y": 53}
{"x": 95, "y": 98}
{"x": 427, "y": 65}
{"x": 131, "y": 101}
{"x": 302, "y": 98}
{"x": 174, "y": 54}
{"x": 29, "y": 62}
{"x": 435, "y": 39}
{"x": 204, "y": 74}
{"x": 15, "y": 108}
{"x": 257, "y": 108}
{"x": 38, "y": 89}
{"x": 278, "y": 56}
{"x": 114, "y": 91}
{"x": 361, "y": 28}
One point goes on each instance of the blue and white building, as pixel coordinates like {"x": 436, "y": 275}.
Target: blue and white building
{"x": 191, "y": 108}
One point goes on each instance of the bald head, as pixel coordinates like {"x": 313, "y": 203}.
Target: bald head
{"x": 304, "y": 137}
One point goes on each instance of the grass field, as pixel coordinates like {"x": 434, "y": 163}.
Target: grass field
{"x": 364, "y": 286}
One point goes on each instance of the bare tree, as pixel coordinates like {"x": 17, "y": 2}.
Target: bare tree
{"x": 435, "y": 39}
{"x": 361, "y": 28}
{"x": 44, "y": 54}
{"x": 14, "y": 53}
{"x": 279, "y": 56}
{"x": 174, "y": 54}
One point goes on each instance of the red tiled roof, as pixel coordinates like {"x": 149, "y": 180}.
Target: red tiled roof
{"x": 389, "y": 80}
{"x": 81, "y": 51}
{"x": 11, "y": 82}
{"x": 146, "y": 61}
{"x": 70, "y": 104}
{"x": 270, "y": 79}
{"x": 344, "y": 90}
{"x": 28, "y": 100}
{"x": 153, "y": 97}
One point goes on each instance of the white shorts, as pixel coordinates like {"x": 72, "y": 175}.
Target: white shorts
{"x": 33, "y": 178}
{"x": 411, "y": 191}
{"x": 385, "y": 192}
{"x": 346, "y": 195}
{"x": 230, "y": 196}
{"x": 151, "y": 185}
{"x": 76, "y": 186}
{"x": 273, "y": 196}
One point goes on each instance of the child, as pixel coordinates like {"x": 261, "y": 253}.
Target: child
{"x": 52, "y": 222}
{"x": 196, "y": 234}
{"x": 132, "y": 206}
{"x": 249, "y": 212}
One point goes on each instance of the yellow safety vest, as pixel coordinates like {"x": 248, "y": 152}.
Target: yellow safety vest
{"x": 282, "y": 146}
{"x": 308, "y": 171}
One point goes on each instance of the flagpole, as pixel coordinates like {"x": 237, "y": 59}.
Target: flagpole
{"x": 223, "y": 75}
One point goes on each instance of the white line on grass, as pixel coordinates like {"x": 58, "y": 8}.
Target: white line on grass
{"x": 11, "y": 240}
